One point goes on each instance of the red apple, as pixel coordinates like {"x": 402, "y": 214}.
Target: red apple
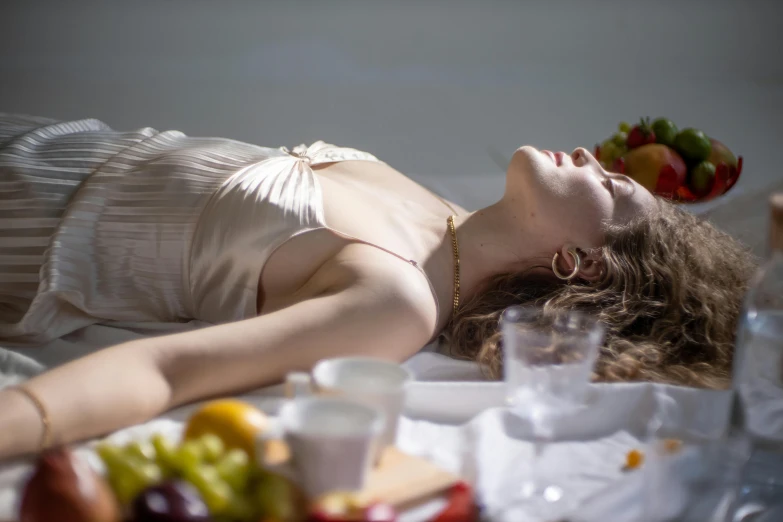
{"x": 645, "y": 164}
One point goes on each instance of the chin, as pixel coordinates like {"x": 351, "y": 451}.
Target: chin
{"x": 529, "y": 163}
{"x": 527, "y": 150}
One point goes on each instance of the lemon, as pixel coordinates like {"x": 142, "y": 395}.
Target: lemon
{"x": 235, "y": 422}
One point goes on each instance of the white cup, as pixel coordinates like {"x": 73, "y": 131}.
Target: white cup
{"x": 332, "y": 442}
{"x": 373, "y": 382}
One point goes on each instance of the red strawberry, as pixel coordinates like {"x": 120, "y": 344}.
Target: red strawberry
{"x": 640, "y": 134}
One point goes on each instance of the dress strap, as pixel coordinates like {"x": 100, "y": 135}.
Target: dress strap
{"x": 411, "y": 262}
{"x": 320, "y": 152}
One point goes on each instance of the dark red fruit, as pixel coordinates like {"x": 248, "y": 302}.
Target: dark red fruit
{"x": 64, "y": 488}
{"x": 640, "y": 134}
{"x": 619, "y": 166}
{"x": 175, "y": 501}
{"x": 668, "y": 182}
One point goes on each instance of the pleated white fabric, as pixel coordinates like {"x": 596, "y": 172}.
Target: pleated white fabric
{"x": 100, "y": 226}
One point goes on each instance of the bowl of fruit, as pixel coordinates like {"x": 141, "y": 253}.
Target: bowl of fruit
{"x": 685, "y": 166}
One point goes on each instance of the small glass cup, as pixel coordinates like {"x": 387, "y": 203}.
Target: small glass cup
{"x": 549, "y": 359}
{"x": 690, "y": 475}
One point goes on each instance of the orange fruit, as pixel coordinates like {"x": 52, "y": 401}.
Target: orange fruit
{"x": 236, "y": 422}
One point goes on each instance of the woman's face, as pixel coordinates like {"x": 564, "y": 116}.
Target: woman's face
{"x": 571, "y": 199}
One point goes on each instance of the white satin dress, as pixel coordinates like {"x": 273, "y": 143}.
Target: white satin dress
{"x": 102, "y": 226}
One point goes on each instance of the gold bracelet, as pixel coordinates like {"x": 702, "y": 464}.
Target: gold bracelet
{"x": 46, "y": 439}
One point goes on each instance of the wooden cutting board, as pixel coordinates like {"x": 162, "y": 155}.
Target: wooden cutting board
{"x": 399, "y": 479}
{"x": 404, "y": 480}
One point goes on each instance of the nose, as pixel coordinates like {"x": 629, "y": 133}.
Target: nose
{"x": 581, "y": 157}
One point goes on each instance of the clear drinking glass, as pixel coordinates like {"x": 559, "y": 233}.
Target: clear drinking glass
{"x": 690, "y": 475}
{"x": 549, "y": 359}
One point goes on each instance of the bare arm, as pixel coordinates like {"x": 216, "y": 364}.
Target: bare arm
{"x": 138, "y": 380}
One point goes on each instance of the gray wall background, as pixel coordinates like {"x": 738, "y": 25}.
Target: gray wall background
{"x": 435, "y": 88}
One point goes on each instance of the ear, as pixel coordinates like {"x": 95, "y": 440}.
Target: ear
{"x": 591, "y": 266}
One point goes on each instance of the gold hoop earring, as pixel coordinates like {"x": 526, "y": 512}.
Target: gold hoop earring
{"x": 574, "y": 272}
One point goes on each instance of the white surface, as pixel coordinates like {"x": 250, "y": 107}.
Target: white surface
{"x": 459, "y": 425}
{"x": 491, "y": 448}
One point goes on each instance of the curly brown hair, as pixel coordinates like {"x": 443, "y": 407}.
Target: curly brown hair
{"x": 670, "y": 297}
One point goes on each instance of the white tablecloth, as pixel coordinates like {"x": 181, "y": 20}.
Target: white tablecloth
{"x": 491, "y": 448}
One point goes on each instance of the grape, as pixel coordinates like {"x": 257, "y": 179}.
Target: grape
{"x": 276, "y": 497}
{"x": 234, "y": 469}
{"x": 189, "y": 455}
{"x": 170, "y": 502}
{"x": 150, "y": 473}
{"x": 109, "y": 454}
{"x": 125, "y": 486}
{"x": 620, "y": 138}
{"x": 216, "y": 494}
{"x": 212, "y": 447}
{"x": 240, "y": 508}
{"x": 141, "y": 450}
{"x": 128, "y": 474}
{"x": 624, "y": 127}
{"x": 165, "y": 453}
{"x": 610, "y": 152}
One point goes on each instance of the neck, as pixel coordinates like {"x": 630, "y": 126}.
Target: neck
{"x": 487, "y": 247}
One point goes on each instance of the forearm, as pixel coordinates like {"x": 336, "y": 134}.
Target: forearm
{"x": 91, "y": 396}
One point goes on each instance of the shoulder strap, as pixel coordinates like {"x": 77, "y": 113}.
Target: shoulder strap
{"x": 412, "y": 262}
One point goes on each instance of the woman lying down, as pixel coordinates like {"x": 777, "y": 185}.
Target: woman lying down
{"x": 321, "y": 251}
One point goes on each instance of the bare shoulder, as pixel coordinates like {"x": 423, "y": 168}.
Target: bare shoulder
{"x": 387, "y": 283}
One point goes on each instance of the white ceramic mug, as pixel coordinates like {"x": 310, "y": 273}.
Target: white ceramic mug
{"x": 373, "y": 382}
{"x": 332, "y": 442}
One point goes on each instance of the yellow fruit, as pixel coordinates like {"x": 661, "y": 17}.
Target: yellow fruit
{"x": 237, "y": 423}
{"x": 644, "y": 164}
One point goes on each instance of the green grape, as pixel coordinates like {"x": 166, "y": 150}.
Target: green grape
{"x": 125, "y": 486}
{"x": 234, "y": 469}
{"x": 189, "y": 455}
{"x": 214, "y": 491}
{"x": 165, "y": 454}
{"x": 109, "y": 454}
{"x": 217, "y": 497}
{"x": 620, "y": 139}
{"x": 609, "y": 153}
{"x": 240, "y": 508}
{"x": 150, "y": 473}
{"x": 212, "y": 446}
{"x": 141, "y": 450}
{"x": 275, "y": 497}
{"x": 624, "y": 127}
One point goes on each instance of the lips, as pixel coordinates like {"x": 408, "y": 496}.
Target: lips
{"x": 557, "y": 157}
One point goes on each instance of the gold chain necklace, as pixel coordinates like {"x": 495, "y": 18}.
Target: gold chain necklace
{"x": 455, "y": 249}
